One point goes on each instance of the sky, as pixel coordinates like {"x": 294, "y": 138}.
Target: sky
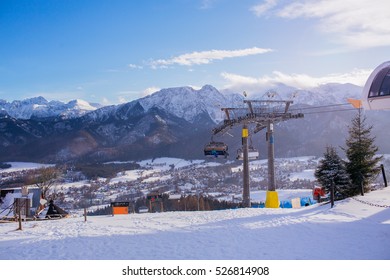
{"x": 113, "y": 52}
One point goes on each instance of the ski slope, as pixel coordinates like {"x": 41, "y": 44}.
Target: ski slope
{"x": 349, "y": 231}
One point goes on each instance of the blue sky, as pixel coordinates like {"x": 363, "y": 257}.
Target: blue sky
{"x": 116, "y": 51}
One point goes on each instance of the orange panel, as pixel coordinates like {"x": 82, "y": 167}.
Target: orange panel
{"x": 120, "y": 210}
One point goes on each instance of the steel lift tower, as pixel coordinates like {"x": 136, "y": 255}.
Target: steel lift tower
{"x": 260, "y": 114}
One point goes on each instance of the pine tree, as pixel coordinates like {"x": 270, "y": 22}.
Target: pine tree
{"x": 332, "y": 171}
{"x": 362, "y": 162}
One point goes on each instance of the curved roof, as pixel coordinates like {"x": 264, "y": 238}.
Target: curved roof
{"x": 376, "y": 92}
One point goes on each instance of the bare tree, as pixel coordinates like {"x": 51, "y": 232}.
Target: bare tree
{"x": 44, "y": 178}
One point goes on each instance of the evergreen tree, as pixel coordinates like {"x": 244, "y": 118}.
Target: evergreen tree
{"x": 331, "y": 170}
{"x": 362, "y": 162}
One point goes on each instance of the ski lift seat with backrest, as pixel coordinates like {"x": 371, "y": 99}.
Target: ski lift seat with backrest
{"x": 252, "y": 154}
{"x": 216, "y": 149}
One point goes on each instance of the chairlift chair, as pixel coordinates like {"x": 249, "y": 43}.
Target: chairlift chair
{"x": 252, "y": 154}
{"x": 216, "y": 149}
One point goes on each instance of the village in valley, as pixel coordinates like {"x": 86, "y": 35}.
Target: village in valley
{"x": 175, "y": 178}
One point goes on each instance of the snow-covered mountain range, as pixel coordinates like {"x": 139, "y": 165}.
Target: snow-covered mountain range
{"x": 183, "y": 102}
{"x": 174, "y": 122}
{"x": 39, "y": 107}
{"x": 188, "y": 103}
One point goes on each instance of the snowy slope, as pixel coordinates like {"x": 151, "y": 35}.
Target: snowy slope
{"x": 351, "y": 230}
{"x": 19, "y": 166}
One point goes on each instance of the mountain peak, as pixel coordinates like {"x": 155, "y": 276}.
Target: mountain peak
{"x": 39, "y": 100}
{"x": 208, "y": 88}
{"x": 187, "y": 103}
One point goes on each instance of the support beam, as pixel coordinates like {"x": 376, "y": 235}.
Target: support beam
{"x": 250, "y": 106}
{"x": 246, "y": 201}
{"x": 271, "y": 156}
{"x": 272, "y": 199}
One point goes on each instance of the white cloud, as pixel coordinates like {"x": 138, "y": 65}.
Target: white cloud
{"x": 149, "y": 91}
{"x": 206, "y": 57}
{"x": 301, "y": 81}
{"x": 134, "y": 66}
{"x": 261, "y": 9}
{"x": 122, "y": 99}
{"x": 105, "y": 101}
{"x": 206, "y": 4}
{"x": 195, "y": 87}
{"x": 125, "y": 96}
{"x": 236, "y": 80}
{"x": 356, "y": 24}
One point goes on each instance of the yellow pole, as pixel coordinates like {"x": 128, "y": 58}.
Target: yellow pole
{"x": 272, "y": 199}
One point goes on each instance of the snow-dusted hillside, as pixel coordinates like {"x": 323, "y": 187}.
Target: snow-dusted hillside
{"x": 39, "y": 107}
{"x": 188, "y": 103}
{"x": 355, "y": 229}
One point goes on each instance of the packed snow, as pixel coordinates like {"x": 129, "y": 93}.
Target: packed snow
{"x": 355, "y": 228}
{"x": 20, "y": 166}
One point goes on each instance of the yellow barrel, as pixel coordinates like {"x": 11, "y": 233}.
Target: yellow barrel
{"x": 272, "y": 199}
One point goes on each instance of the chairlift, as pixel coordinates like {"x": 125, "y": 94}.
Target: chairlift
{"x": 376, "y": 92}
{"x": 252, "y": 154}
{"x": 216, "y": 149}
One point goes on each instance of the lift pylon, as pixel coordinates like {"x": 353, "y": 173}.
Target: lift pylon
{"x": 261, "y": 114}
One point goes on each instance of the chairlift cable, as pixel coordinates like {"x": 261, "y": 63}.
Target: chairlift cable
{"x": 330, "y": 111}
{"x": 324, "y": 106}
{"x": 318, "y": 107}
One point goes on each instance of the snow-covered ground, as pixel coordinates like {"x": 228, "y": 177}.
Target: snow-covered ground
{"x": 19, "y": 166}
{"x": 349, "y": 231}
{"x": 307, "y": 174}
{"x": 164, "y": 163}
